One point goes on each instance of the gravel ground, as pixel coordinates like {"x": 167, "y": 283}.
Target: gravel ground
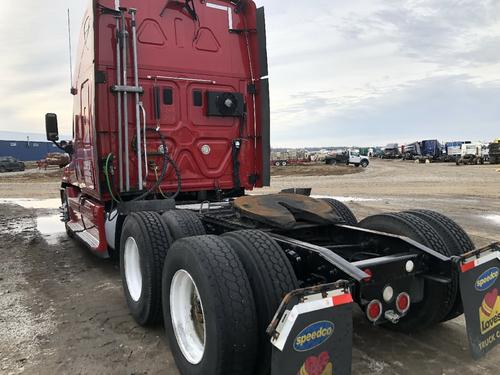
{"x": 62, "y": 310}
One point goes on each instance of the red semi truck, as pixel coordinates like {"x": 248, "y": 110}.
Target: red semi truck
{"x": 171, "y": 109}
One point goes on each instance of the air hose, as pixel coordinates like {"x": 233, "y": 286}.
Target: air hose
{"x": 108, "y": 182}
{"x": 166, "y": 160}
{"x": 159, "y": 187}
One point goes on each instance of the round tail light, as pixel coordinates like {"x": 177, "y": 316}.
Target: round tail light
{"x": 403, "y": 302}
{"x": 374, "y": 310}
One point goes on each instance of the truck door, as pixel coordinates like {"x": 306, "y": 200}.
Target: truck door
{"x": 84, "y": 138}
{"x": 354, "y": 157}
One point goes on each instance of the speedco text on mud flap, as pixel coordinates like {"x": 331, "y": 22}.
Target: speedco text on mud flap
{"x": 487, "y": 279}
{"x": 313, "y": 336}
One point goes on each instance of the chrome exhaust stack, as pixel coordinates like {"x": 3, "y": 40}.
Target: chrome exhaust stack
{"x": 123, "y": 89}
{"x": 119, "y": 96}
{"x": 124, "y": 39}
{"x": 133, "y": 12}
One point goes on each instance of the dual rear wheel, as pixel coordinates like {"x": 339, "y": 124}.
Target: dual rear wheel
{"x": 216, "y": 294}
{"x": 441, "y": 301}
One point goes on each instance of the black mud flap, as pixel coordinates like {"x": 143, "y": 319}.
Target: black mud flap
{"x": 311, "y": 333}
{"x": 480, "y": 288}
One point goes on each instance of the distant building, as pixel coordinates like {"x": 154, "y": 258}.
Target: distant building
{"x": 25, "y": 147}
{"x": 27, "y": 150}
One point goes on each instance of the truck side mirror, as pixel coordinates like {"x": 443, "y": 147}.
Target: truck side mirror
{"x": 51, "y": 127}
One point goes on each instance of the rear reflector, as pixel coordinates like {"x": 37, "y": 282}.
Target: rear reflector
{"x": 468, "y": 266}
{"x": 374, "y": 310}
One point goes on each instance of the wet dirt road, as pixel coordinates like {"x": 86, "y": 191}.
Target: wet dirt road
{"x": 62, "y": 310}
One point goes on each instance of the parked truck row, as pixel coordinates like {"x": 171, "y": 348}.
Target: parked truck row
{"x": 460, "y": 152}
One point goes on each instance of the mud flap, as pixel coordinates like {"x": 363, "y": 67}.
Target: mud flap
{"x": 480, "y": 289}
{"x": 311, "y": 333}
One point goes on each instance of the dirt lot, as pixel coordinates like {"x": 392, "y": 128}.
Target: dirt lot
{"x": 62, "y": 310}
{"x": 21, "y": 184}
{"x": 314, "y": 169}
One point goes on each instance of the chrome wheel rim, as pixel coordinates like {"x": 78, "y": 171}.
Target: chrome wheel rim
{"x": 133, "y": 274}
{"x": 188, "y": 317}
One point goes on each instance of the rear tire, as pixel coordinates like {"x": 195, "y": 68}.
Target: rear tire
{"x": 271, "y": 276}
{"x": 365, "y": 163}
{"x": 344, "y": 212}
{"x": 144, "y": 242}
{"x": 228, "y": 319}
{"x": 457, "y": 242}
{"x": 438, "y": 298}
{"x": 183, "y": 223}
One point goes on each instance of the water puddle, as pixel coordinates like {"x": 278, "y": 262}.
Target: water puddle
{"x": 494, "y": 218}
{"x": 32, "y": 203}
{"x": 51, "y": 228}
{"x": 349, "y": 199}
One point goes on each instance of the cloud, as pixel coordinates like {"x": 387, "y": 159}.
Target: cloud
{"x": 368, "y": 72}
{"x": 35, "y": 63}
{"x": 341, "y": 72}
{"x": 415, "y": 111}
{"x": 431, "y": 30}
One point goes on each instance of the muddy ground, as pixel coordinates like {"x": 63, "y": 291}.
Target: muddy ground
{"x": 62, "y": 310}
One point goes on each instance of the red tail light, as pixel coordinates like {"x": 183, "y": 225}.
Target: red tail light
{"x": 403, "y": 302}
{"x": 374, "y": 310}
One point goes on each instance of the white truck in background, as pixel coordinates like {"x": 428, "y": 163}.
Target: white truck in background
{"x": 348, "y": 157}
{"x": 472, "y": 153}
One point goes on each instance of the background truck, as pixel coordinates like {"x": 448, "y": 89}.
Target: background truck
{"x": 411, "y": 151}
{"x": 347, "y": 157}
{"x": 367, "y": 151}
{"x": 453, "y": 150}
{"x": 171, "y": 110}
{"x": 431, "y": 149}
{"x": 494, "y": 152}
{"x": 392, "y": 151}
{"x": 427, "y": 151}
{"x": 472, "y": 153}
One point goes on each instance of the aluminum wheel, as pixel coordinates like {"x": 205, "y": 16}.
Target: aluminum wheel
{"x": 188, "y": 318}
{"x": 133, "y": 274}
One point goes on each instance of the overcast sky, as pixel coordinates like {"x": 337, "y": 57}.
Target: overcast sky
{"x": 342, "y": 72}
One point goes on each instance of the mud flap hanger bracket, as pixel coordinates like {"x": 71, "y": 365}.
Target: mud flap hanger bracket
{"x": 312, "y": 329}
{"x": 338, "y": 288}
{"x": 478, "y": 256}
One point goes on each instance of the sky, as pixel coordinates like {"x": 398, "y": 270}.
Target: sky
{"x": 358, "y": 72}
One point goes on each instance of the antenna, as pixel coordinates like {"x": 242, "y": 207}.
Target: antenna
{"x": 70, "y": 58}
